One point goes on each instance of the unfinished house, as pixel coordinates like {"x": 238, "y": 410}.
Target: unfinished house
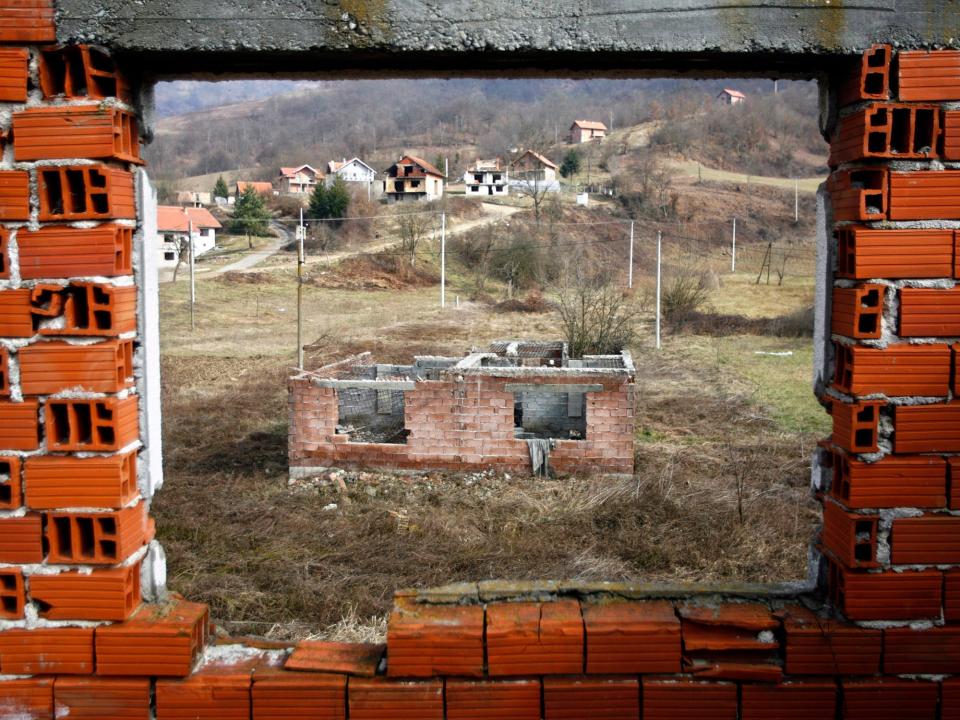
{"x": 486, "y": 178}
{"x": 516, "y": 406}
{"x": 412, "y": 178}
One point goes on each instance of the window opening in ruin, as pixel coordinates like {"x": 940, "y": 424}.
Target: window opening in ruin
{"x": 369, "y": 415}
{"x": 549, "y": 415}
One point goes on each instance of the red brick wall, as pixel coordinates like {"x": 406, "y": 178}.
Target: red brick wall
{"x": 465, "y": 425}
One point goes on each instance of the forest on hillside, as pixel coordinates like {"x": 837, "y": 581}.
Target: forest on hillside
{"x": 466, "y": 118}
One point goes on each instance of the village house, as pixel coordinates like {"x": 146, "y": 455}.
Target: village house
{"x": 297, "y": 180}
{"x": 262, "y": 188}
{"x": 189, "y": 198}
{"x": 486, "y": 177}
{"x": 412, "y": 178}
{"x": 518, "y": 406}
{"x": 531, "y": 169}
{"x": 587, "y": 131}
{"x": 351, "y": 171}
{"x": 731, "y": 97}
{"x": 173, "y": 228}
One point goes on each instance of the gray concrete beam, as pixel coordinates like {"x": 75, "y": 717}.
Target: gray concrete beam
{"x": 383, "y": 37}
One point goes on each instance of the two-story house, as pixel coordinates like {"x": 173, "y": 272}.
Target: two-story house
{"x": 486, "y": 178}
{"x": 583, "y": 131}
{"x": 412, "y": 178}
{"x": 298, "y": 180}
{"x": 174, "y": 225}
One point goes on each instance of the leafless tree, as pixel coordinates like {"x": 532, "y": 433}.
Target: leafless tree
{"x": 596, "y": 316}
{"x": 414, "y": 228}
{"x": 536, "y": 189}
{"x": 182, "y": 248}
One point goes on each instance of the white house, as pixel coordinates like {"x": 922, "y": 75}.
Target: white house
{"x": 531, "y": 170}
{"x": 351, "y": 171}
{"x": 173, "y": 227}
{"x": 485, "y": 178}
{"x": 731, "y": 97}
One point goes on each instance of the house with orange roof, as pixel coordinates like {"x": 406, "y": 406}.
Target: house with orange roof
{"x": 531, "y": 166}
{"x": 298, "y": 180}
{"x": 729, "y": 96}
{"x": 583, "y": 131}
{"x": 412, "y": 178}
{"x": 263, "y": 188}
{"x": 174, "y": 226}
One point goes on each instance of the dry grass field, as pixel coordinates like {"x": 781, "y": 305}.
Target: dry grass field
{"x": 724, "y": 436}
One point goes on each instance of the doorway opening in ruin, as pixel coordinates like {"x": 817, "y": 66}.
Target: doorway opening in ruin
{"x": 725, "y": 417}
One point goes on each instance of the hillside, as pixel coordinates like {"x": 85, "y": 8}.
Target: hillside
{"x": 461, "y": 119}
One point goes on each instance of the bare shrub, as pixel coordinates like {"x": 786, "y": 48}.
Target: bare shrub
{"x": 683, "y": 294}
{"x": 596, "y": 316}
{"x": 534, "y": 302}
{"x": 798, "y": 323}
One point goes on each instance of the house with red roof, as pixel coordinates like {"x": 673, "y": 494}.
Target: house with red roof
{"x": 583, "y": 131}
{"x": 263, "y": 188}
{"x": 298, "y": 180}
{"x": 729, "y": 96}
{"x": 412, "y": 178}
{"x": 175, "y": 225}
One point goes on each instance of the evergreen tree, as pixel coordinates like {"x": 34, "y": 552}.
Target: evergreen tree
{"x": 250, "y": 215}
{"x": 571, "y": 164}
{"x": 329, "y": 203}
{"x": 220, "y": 188}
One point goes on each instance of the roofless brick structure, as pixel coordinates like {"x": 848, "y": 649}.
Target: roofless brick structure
{"x": 518, "y": 406}
{"x": 87, "y": 629}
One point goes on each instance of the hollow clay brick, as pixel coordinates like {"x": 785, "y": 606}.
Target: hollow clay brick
{"x": 683, "y": 699}
{"x": 21, "y": 539}
{"x": 868, "y": 77}
{"x": 53, "y": 367}
{"x": 11, "y": 484}
{"x": 15, "y": 314}
{"x": 361, "y": 659}
{"x": 57, "y": 251}
{"x": 377, "y": 698}
{"x": 27, "y": 21}
{"x": 858, "y": 194}
{"x": 848, "y": 537}
{"x": 931, "y": 651}
{"x": 482, "y": 699}
{"x": 631, "y": 637}
{"x": 52, "y": 481}
{"x": 47, "y": 651}
{"x": 299, "y": 696}
{"x": 12, "y": 595}
{"x": 429, "y": 640}
{"x": 96, "y": 538}
{"x": 909, "y": 595}
{"x": 27, "y": 698}
{"x": 790, "y": 701}
{"x": 820, "y": 646}
{"x": 84, "y": 308}
{"x": 85, "y": 192}
{"x": 111, "y": 594}
{"x": 13, "y": 74}
{"x": 81, "y": 71}
{"x": 211, "y": 693}
{"x": 158, "y": 640}
{"x": 14, "y": 194}
{"x": 896, "y": 370}
{"x": 929, "y": 312}
{"x": 887, "y": 131}
{"x": 857, "y": 311}
{"x": 927, "y": 428}
{"x": 864, "y": 253}
{"x": 732, "y": 641}
{"x": 926, "y": 540}
{"x": 855, "y": 425}
{"x": 596, "y": 697}
{"x": 102, "y": 424}
{"x": 84, "y": 131}
{"x": 928, "y": 75}
{"x": 888, "y": 699}
{"x": 530, "y": 638}
{"x": 925, "y": 195}
{"x": 95, "y": 698}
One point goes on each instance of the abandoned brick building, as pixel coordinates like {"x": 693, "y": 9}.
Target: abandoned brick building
{"x": 515, "y": 406}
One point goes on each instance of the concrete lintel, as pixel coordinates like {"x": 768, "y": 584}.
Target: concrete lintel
{"x": 366, "y": 384}
{"x": 553, "y": 387}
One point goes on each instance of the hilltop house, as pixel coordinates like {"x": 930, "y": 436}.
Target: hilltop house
{"x": 731, "y": 97}
{"x": 174, "y": 225}
{"x": 486, "y": 177}
{"x": 263, "y": 188}
{"x": 351, "y": 171}
{"x": 194, "y": 199}
{"x": 298, "y": 180}
{"x": 412, "y": 178}
{"x": 532, "y": 170}
{"x": 587, "y": 131}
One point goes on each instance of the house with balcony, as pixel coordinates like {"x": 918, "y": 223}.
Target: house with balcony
{"x": 297, "y": 180}
{"x": 485, "y": 178}
{"x": 412, "y": 178}
{"x": 350, "y": 171}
